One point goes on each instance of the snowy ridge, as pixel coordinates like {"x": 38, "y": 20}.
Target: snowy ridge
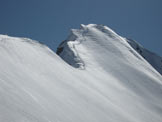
{"x": 116, "y": 84}
{"x": 152, "y": 58}
{"x": 68, "y": 52}
{"x": 66, "y": 49}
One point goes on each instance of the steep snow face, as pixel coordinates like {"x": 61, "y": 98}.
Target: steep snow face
{"x": 152, "y": 58}
{"x": 115, "y": 84}
{"x": 67, "y": 50}
{"x": 102, "y": 40}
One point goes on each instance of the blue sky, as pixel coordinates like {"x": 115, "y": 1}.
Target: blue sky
{"x": 49, "y": 21}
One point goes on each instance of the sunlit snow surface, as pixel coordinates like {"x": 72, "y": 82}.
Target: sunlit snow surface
{"x": 108, "y": 81}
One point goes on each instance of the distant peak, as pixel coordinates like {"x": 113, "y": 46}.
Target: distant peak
{"x": 102, "y": 42}
{"x": 97, "y": 26}
{"x": 100, "y": 34}
{"x": 89, "y": 25}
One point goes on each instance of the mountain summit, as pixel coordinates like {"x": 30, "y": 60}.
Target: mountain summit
{"x": 109, "y": 79}
{"x": 101, "y": 42}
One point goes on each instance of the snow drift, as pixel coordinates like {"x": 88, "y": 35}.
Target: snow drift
{"x": 107, "y": 79}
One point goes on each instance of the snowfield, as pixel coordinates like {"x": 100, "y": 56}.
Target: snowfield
{"x": 108, "y": 79}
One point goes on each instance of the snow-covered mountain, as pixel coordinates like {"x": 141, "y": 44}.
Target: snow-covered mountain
{"x": 152, "y": 58}
{"x": 107, "y": 79}
{"x": 67, "y": 50}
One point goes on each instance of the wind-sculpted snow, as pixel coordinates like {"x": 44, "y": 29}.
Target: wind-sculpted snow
{"x": 152, "y": 58}
{"x": 67, "y": 50}
{"x": 116, "y": 84}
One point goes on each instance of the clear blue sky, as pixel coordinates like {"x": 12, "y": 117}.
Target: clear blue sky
{"x": 49, "y": 21}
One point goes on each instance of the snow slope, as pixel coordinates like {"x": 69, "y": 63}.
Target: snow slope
{"x": 152, "y": 58}
{"x": 110, "y": 81}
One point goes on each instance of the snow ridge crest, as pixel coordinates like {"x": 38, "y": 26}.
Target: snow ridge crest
{"x": 67, "y": 49}
{"x": 99, "y": 40}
